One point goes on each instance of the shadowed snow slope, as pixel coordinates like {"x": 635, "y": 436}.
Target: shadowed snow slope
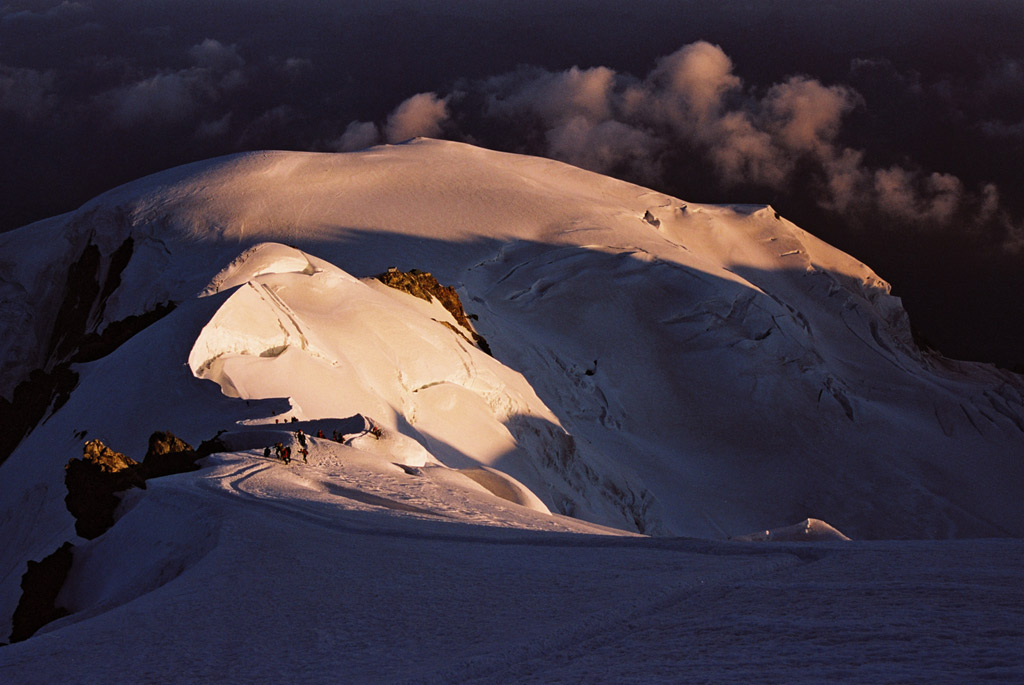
{"x": 659, "y": 366}
{"x": 809, "y": 530}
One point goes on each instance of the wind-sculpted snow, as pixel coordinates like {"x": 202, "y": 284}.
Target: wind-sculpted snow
{"x": 807, "y": 531}
{"x": 336, "y": 346}
{"x": 264, "y": 258}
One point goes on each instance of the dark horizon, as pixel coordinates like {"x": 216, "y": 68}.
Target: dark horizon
{"x": 894, "y": 132}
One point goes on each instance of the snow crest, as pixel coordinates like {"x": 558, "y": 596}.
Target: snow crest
{"x": 335, "y": 346}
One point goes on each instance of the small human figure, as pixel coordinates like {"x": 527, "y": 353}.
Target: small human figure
{"x": 305, "y": 453}
{"x": 279, "y": 450}
{"x": 334, "y": 435}
{"x": 266, "y": 452}
{"x": 320, "y": 433}
{"x": 288, "y": 454}
{"x": 302, "y": 437}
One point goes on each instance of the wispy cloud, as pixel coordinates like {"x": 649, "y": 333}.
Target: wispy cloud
{"x": 783, "y": 138}
{"x": 421, "y": 115}
{"x": 180, "y": 95}
{"x": 26, "y": 93}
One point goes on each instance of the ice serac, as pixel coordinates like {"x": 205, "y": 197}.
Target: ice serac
{"x": 658, "y": 365}
{"x": 298, "y": 327}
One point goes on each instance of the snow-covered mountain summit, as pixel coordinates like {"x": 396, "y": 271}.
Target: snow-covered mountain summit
{"x": 653, "y": 366}
{"x": 658, "y": 365}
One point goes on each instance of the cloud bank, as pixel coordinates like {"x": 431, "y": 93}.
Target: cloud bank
{"x": 176, "y": 96}
{"x": 26, "y": 93}
{"x": 781, "y": 139}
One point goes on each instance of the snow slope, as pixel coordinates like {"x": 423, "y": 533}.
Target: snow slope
{"x": 252, "y": 571}
{"x": 744, "y": 371}
{"x": 658, "y": 366}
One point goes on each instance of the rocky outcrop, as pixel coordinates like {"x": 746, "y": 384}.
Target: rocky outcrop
{"x": 78, "y": 304}
{"x": 39, "y": 589}
{"x": 92, "y": 482}
{"x": 75, "y": 338}
{"x": 41, "y": 393}
{"x": 167, "y": 455}
{"x": 96, "y": 345}
{"x": 212, "y": 446}
{"x": 423, "y": 285}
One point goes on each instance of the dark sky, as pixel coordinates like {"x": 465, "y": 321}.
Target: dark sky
{"x": 894, "y": 130}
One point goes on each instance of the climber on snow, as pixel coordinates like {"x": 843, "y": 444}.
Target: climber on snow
{"x": 373, "y": 429}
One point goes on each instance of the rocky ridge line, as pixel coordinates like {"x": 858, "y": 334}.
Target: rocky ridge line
{"x": 93, "y": 484}
{"x": 423, "y": 285}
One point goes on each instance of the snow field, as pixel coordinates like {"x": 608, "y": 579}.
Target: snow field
{"x": 659, "y": 366}
{"x": 295, "y": 582}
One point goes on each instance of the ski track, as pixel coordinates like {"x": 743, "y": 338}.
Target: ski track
{"x": 607, "y": 609}
{"x": 231, "y": 485}
{"x": 324, "y": 514}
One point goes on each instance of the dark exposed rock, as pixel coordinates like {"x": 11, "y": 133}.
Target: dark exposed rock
{"x": 211, "y": 446}
{"x": 40, "y": 586}
{"x": 118, "y": 263}
{"x": 81, "y": 290}
{"x": 423, "y": 285}
{"x": 93, "y": 346}
{"x": 91, "y": 280}
{"x": 92, "y": 482}
{"x": 47, "y": 391}
{"x": 480, "y": 342}
{"x": 41, "y": 392}
{"x": 74, "y": 337}
{"x": 167, "y": 454}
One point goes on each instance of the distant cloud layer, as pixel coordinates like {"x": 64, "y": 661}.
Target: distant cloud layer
{"x": 692, "y": 121}
{"x": 420, "y": 115}
{"x": 693, "y": 103}
{"x": 423, "y": 115}
{"x": 27, "y": 93}
{"x": 174, "y": 96}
